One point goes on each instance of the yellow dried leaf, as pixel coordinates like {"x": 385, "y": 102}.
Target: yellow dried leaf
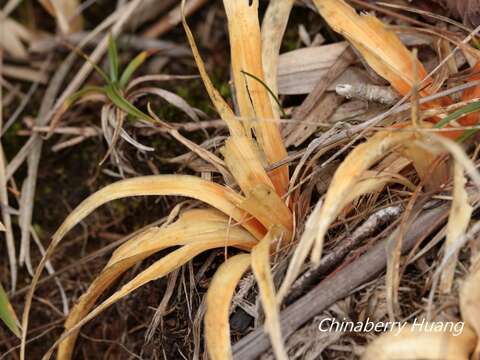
{"x": 381, "y": 48}
{"x": 219, "y": 297}
{"x": 267, "y": 207}
{"x": 347, "y": 176}
{"x": 279, "y": 176}
{"x": 218, "y": 196}
{"x": 213, "y": 194}
{"x": 457, "y": 153}
{"x": 261, "y": 269}
{"x": 458, "y": 220}
{"x": 428, "y": 166}
{"x": 372, "y": 181}
{"x": 222, "y": 107}
{"x": 156, "y": 271}
{"x": 413, "y": 343}
{"x": 253, "y": 99}
{"x": 193, "y": 227}
{"x": 202, "y": 222}
{"x": 273, "y": 27}
{"x": 243, "y": 161}
{"x": 469, "y": 304}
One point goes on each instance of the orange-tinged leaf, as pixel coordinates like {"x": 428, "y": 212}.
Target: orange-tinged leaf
{"x": 216, "y": 195}
{"x": 253, "y": 98}
{"x": 267, "y": 207}
{"x": 219, "y": 297}
{"x": 213, "y": 194}
{"x": 380, "y": 47}
{"x": 273, "y": 149}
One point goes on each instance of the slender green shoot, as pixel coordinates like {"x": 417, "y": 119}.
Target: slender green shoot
{"x": 113, "y": 59}
{"x": 7, "y": 314}
{"x": 467, "y": 109}
{"x": 268, "y": 89}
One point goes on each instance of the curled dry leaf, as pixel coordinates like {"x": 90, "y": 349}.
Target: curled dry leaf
{"x": 469, "y": 304}
{"x": 381, "y": 48}
{"x": 263, "y": 275}
{"x": 157, "y": 270}
{"x": 413, "y": 343}
{"x": 213, "y": 194}
{"x": 219, "y": 296}
{"x": 193, "y": 227}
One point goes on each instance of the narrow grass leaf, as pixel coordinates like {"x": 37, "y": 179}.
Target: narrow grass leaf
{"x": 131, "y": 68}
{"x": 119, "y": 100}
{"x": 113, "y": 59}
{"x": 7, "y": 314}
{"x": 273, "y": 28}
{"x": 225, "y": 112}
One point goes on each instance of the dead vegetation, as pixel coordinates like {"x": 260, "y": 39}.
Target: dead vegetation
{"x": 340, "y": 180}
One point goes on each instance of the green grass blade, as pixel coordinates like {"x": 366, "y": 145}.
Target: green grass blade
{"x": 85, "y": 91}
{"x": 467, "y": 135}
{"x": 131, "y": 68}
{"x": 268, "y": 89}
{"x": 79, "y": 52}
{"x": 118, "y": 100}
{"x": 7, "y": 314}
{"x": 467, "y": 109}
{"x": 113, "y": 58}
